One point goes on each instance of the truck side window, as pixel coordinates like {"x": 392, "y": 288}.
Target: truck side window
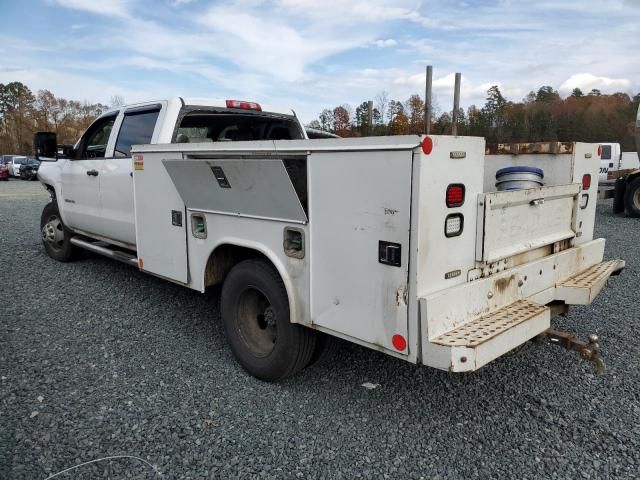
{"x": 137, "y": 128}
{"x": 95, "y": 141}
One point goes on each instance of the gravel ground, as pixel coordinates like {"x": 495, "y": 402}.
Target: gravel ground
{"x": 97, "y": 360}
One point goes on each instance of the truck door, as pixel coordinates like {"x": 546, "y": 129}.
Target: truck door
{"x": 116, "y": 178}
{"x": 81, "y": 177}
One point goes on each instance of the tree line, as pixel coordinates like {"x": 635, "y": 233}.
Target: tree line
{"x": 22, "y": 113}
{"x": 541, "y": 116}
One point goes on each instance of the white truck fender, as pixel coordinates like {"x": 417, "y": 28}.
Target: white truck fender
{"x": 271, "y": 256}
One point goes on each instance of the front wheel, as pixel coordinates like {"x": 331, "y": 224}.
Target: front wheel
{"x": 255, "y": 312}
{"x": 632, "y": 198}
{"x": 55, "y": 236}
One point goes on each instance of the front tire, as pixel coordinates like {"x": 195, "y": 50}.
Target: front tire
{"x": 55, "y": 236}
{"x": 632, "y": 198}
{"x": 255, "y": 312}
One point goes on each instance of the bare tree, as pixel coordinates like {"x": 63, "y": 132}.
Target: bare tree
{"x": 117, "y": 101}
{"x": 382, "y": 101}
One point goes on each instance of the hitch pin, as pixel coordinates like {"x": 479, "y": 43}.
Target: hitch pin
{"x": 588, "y": 350}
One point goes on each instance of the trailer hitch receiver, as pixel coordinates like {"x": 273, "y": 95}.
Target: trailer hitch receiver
{"x": 589, "y": 350}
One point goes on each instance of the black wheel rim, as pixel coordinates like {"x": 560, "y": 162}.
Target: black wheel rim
{"x": 256, "y": 321}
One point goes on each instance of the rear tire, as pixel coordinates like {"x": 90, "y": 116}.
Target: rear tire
{"x": 255, "y": 312}
{"x": 326, "y": 348}
{"x": 632, "y": 198}
{"x": 55, "y": 236}
{"x": 618, "y": 195}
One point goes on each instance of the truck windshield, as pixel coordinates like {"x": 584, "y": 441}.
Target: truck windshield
{"x": 197, "y": 127}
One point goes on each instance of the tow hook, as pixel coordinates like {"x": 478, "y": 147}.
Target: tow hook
{"x": 589, "y": 350}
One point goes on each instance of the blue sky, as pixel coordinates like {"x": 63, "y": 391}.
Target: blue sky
{"x": 312, "y": 54}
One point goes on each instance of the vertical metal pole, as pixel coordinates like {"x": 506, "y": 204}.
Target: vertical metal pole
{"x": 370, "y": 116}
{"x": 427, "y": 100}
{"x": 456, "y": 105}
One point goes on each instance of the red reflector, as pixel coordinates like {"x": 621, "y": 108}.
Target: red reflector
{"x": 427, "y": 145}
{"x": 455, "y": 195}
{"x": 244, "y": 105}
{"x": 586, "y": 182}
{"x": 399, "y": 343}
{"x": 599, "y": 150}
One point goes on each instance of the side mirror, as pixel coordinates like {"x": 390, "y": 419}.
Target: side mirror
{"x": 45, "y": 146}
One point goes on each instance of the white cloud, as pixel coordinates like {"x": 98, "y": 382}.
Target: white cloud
{"x": 269, "y": 44}
{"x": 383, "y": 43}
{"x": 311, "y": 54}
{"x": 116, "y": 8}
{"x": 586, "y": 82}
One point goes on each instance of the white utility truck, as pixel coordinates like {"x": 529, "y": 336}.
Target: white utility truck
{"x": 401, "y": 244}
{"x": 626, "y": 181}
{"x": 613, "y": 160}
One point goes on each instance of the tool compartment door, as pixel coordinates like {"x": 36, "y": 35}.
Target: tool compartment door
{"x": 513, "y": 222}
{"x": 160, "y": 216}
{"x": 358, "y": 200}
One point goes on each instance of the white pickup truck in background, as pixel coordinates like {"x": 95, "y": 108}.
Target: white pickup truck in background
{"x": 401, "y": 244}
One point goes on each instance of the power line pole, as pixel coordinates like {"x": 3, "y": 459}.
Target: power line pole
{"x": 427, "y": 100}
{"x": 456, "y": 105}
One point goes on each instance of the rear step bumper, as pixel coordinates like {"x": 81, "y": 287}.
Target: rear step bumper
{"x": 467, "y": 326}
{"x": 582, "y": 289}
{"x": 486, "y": 338}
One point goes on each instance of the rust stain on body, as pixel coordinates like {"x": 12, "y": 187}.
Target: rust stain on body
{"x": 502, "y": 284}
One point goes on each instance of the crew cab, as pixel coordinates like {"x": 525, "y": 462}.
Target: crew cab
{"x": 403, "y": 244}
{"x": 93, "y": 185}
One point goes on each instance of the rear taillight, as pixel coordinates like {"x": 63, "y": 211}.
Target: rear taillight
{"x": 599, "y": 150}
{"x": 241, "y": 104}
{"x": 586, "y": 181}
{"x": 453, "y": 225}
{"x": 455, "y": 195}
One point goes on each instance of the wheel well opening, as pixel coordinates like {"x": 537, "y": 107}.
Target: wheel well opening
{"x": 50, "y": 190}
{"x": 223, "y": 259}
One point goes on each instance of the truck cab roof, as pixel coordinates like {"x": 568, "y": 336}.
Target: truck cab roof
{"x": 179, "y": 102}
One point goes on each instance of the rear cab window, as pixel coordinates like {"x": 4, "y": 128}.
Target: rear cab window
{"x": 198, "y": 126}
{"x": 137, "y": 128}
{"x": 606, "y": 152}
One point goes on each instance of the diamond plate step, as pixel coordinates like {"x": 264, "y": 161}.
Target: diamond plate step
{"x": 583, "y": 287}
{"x": 487, "y": 327}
